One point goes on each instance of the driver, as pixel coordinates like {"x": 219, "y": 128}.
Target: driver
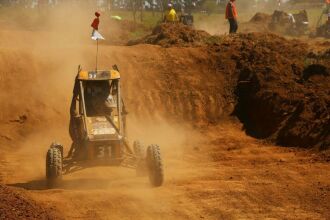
{"x": 103, "y": 102}
{"x": 111, "y": 101}
{"x": 98, "y": 98}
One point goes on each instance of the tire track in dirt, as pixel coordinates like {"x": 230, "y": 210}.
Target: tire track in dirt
{"x": 223, "y": 174}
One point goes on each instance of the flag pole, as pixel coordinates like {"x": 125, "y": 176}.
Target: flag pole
{"x": 97, "y": 52}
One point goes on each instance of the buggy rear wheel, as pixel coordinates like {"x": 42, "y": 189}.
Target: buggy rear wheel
{"x": 155, "y": 165}
{"x": 53, "y": 165}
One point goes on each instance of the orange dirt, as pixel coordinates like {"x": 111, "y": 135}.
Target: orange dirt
{"x": 181, "y": 98}
{"x": 16, "y": 205}
{"x": 289, "y": 97}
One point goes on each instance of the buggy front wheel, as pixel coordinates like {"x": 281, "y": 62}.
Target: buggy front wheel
{"x": 53, "y": 165}
{"x": 155, "y": 165}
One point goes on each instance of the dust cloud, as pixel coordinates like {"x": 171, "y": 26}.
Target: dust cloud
{"x": 40, "y": 64}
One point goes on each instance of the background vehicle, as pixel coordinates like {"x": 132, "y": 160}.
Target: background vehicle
{"x": 291, "y": 24}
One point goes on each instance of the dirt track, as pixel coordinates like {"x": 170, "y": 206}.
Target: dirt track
{"x": 212, "y": 169}
{"x": 222, "y": 175}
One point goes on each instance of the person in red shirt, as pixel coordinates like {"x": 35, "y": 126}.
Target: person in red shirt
{"x": 96, "y": 22}
{"x": 231, "y": 15}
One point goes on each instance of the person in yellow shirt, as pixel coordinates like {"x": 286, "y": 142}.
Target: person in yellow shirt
{"x": 171, "y": 15}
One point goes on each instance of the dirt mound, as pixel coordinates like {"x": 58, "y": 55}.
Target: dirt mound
{"x": 175, "y": 34}
{"x": 15, "y": 205}
{"x": 272, "y": 81}
{"x": 258, "y": 23}
{"x": 261, "y": 18}
{"x": 279, "y": 96}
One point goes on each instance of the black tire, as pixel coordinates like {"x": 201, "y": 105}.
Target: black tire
{"x": 53, "y": 165}
{"x": 155, "y": 165}
{"x": 139, "y": 151}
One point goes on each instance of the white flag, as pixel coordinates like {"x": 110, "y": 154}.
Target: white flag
{"x": 97, "y": 36}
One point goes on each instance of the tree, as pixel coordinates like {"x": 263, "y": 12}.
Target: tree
{"x": 133, "y": 5}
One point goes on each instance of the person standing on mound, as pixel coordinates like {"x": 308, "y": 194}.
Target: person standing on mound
{"x": 231, "y": 16}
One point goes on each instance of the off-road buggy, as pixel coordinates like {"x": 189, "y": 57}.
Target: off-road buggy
{"x": 98, "y": 131}
{"x": 291, "y": 24}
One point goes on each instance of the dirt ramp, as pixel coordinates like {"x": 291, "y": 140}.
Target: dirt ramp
{"x": 28, "y": 97}
{"x": 161, "y": 84}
